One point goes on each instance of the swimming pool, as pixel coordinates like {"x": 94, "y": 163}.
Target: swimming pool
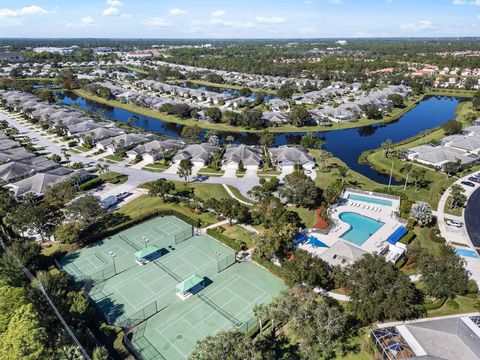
{"x": 369, "y": 200}
{"x": 466, "y": 252}
{"x": 361, "y": 227}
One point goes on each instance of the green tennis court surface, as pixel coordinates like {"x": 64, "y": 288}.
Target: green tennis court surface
{"x": 128, "y": 294}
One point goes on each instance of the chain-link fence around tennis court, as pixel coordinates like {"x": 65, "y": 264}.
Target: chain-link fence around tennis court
{"x": 139, "y": 316}
{"x": 143, "y": 348}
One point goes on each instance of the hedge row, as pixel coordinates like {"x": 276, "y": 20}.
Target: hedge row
{"x": 277, "y": 270}
{"x": 407, "y": 239}
{"x": 234, "y": 244}
{"x": 91, "y": 184}
{"x": 434, "y": 305}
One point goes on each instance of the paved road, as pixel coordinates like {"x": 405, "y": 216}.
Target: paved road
{"x": 135, "y": 176}
{"x": 472, "y": 218}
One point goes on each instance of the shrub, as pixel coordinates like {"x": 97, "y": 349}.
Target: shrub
{"x": 435, "y": 236}
{"x": 72, "y": 143}
{"x": 434, "y": 305}
{"x": 407, "y": 239}
{"x": 91, "y": 184}
{"x": 453, "y": 304}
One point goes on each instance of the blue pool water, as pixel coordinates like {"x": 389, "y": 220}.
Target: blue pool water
{"x": 369, "y": 200}
{"x": 309, "y": 240}
{"x": 466, "y": 252}
{"x": 313, "y": 241}
{"x": 361, "y": 227}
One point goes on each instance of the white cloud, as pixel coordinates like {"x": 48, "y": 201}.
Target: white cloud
{"x": 336, "y": 2}
{"x": 218, "y": 13}
{"x": 27, "y": 10}
{"x": 418, "y": 26}
{"x": 114, "y": 2}
{"x": 176, "y": 12}
{"x": 231, "y": 24}
{"x": 466, "y": 2}
{"x": 270, "y": 20}
{"x": 110, "y": 11}
{"x": 86, "y": 21}
{"x": 156, "y": 22}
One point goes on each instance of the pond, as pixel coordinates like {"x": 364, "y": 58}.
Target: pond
{"x": 347, "y": 145}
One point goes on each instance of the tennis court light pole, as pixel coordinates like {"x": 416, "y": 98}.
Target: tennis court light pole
{"x": 113, "y": 255}
{"x": 146, "y": 240}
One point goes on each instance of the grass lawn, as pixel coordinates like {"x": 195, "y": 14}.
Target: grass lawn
{"x": 147, "y": 204}
{"x": 268, "y": 172}
{"x": 114, "y": 178}
{"x": 210, "y": 172}
{"x": 465, "y": 305}
{"x": 239, "y": 195}
{"x": 115, "y": 158}
{"x": 423, "y": 235}
{"x": 204, "y": 191}
{"x": 358, "y": 341}
{"x": 239, "y": 233}
{"x": 156, "y": 167}
{"x": 82, "y": 148}
{"x": 434, "y": 182}
{"x": 309, "y": 217}
{"x": 329, "y": 174}
{"x": 457, "y": 212}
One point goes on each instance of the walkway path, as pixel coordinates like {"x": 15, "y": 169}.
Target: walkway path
{"x": 339, "y": 297}
{"x": 230, "y": 192}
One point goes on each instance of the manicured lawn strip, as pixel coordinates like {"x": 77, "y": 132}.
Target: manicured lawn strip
{"x": 146, "y": 204}
{"x": 115, "y": 158}
{"x": 268, "y": 173}
{"x": 239, "y": 195}
{"x": 114, "y": 178}
{"x": 210, "y": 172}
{"x": 82, "y": 148}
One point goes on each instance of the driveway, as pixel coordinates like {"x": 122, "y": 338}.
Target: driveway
{"x": 230, "y": 172}
{"x": 251, "y": 172}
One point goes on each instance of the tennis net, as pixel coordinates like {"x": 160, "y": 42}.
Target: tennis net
{"x": 136, "y": 247}
{"x": 168, "y": 271}
{"x": 218, "y": 309}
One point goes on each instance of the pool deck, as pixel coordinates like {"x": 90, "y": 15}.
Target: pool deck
{"x": 376, "y": 242}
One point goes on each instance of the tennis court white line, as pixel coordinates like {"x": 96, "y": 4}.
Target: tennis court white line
{"x": 168, "y": 341}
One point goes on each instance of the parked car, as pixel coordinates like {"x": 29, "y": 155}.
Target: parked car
{"x": 454, "y": 223}
{"x": 123, "y": 195}
{"x": 474, "y": 179}
{"x": 468, "y": 183}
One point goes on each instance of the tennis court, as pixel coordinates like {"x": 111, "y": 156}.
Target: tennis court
{"x": 226, "y": 303}
{"x": 128, "y": 293}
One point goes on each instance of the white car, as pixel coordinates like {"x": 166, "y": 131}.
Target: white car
{"x": 454, "y": 223}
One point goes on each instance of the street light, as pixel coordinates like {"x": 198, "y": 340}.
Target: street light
{"x": 113, "y": 255}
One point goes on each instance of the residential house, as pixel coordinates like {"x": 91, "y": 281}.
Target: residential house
{"x": 198, "y": 154}
{"x": 287, "y": 157}
{"x": 121, "y": 142}
{"x": 156, "y": 150}
{"x": 249, "y": 156}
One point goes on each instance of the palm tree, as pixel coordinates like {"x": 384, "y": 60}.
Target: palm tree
{"x": 260, "y": 312}
{"x": 406, "y": 169}
{"x": 418, "y": 175}
{"x": 387, "y": 147}
{"x": 343, "y": 173}
{"x": 229, "y": 139}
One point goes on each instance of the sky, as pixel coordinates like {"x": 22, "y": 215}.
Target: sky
{"x": 239, "y": 19}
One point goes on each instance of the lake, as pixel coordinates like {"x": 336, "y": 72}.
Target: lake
{"x": 347, "y": 145}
